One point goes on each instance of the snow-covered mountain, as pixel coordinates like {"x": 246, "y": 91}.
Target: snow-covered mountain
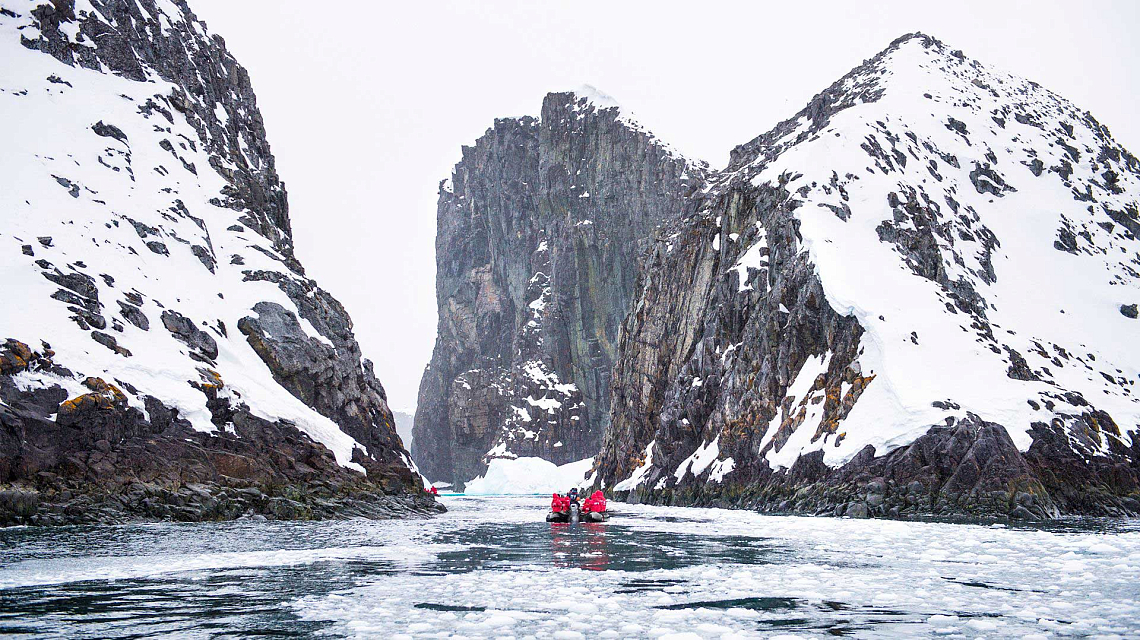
{"x": 918, "y": 294}
{"x": 160, "y": 331}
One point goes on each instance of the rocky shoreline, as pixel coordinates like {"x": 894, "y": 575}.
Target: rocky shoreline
{"x": 964, "y": 472}
{"x": 97, "y": 459}
{"x": 209, "y": 502}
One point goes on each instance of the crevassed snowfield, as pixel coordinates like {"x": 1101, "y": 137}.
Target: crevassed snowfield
{"x": 492, "y": 568}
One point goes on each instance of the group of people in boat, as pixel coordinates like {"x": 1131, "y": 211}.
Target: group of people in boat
{"x": 568, "y": 508}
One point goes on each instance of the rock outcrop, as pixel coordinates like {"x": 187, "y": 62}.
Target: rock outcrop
{"x": 916, "y": 296}
{"x": 540, "y": 229}
{"x": 166, "y": 355}
{"x": 903, "y": 300}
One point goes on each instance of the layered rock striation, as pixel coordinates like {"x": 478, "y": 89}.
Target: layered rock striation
{"x": 540, "y": 229}
{"x": 166, "y": 356}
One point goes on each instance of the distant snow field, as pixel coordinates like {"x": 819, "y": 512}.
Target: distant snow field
{"x": 528, "y": 476}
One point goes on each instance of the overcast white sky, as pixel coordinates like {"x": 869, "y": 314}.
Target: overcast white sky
{"x": 367, "y": 103}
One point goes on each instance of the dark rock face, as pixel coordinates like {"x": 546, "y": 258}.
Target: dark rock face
{"x": 328, "y": 375}
{"x": 185, "y": 330}
{"x": 92, "y": 453}
{"x": 538, "y": 240}
{"x": 672, "y": 377}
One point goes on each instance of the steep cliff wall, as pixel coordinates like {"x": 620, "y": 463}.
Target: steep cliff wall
{"x": 539, "y": 232}
{"x": 165, "y": 350}
{"x": 915, "y": 296}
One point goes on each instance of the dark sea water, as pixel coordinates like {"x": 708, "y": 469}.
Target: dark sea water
{"x": 492, "y": 567}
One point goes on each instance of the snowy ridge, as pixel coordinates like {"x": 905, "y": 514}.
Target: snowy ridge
{"x": 596, "y": 97}
{"x": 119, "y": 217}
{"x": 589, "y": 99}
{"x": 982, "y": 231}
{"x": 952, "y": 146}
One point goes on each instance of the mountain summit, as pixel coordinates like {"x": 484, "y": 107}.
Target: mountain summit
{"x": 924, "y": 282}
{"x": 539, "y": 231}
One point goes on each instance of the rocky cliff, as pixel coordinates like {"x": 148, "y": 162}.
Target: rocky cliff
{"x": 540, "y": 229}
{"x": 165, "y": 354}
{"x": 917, "y": 295}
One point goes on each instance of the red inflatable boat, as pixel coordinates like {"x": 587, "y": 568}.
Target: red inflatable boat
{"x": 565, "y": 509}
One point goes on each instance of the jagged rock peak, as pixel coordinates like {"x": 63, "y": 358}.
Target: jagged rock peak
{"x": 587, "y": 97}
{"x": 562, "y": 109}
{"x": 538, "y": 236}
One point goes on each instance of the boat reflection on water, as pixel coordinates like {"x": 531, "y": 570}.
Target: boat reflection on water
{"x": 580, "y": 546}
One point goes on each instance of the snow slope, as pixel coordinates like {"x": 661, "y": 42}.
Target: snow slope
{"x": 960, "y": 141}
{"x": 119, "y": 184}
